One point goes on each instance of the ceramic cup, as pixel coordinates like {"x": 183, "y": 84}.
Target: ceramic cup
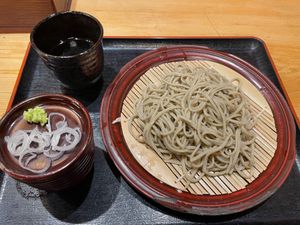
{"x": 70, "y": 44}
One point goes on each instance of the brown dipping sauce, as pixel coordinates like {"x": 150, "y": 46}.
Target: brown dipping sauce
{"x": 73, "y": 121}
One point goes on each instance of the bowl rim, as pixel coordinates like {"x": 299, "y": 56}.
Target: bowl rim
{"x": 136, "y": 67}
{"x": 53, "y": 15}
{"x": 46, "y": 175}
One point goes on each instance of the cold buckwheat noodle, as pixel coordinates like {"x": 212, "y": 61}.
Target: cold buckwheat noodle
{"x": 198, "y": 119}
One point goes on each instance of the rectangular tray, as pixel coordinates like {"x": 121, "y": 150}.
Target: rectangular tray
{"x": 105, "y": 198}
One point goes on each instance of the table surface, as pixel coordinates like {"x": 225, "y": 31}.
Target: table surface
{"x": 275, "y": 22}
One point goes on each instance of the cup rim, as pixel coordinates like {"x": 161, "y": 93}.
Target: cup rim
{"x": 51, "y": 16}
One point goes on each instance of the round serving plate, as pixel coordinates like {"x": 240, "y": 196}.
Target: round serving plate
{"x": 144, "y": 170}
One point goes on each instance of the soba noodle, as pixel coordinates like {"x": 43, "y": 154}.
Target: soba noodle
{"x": 198, "y": 119}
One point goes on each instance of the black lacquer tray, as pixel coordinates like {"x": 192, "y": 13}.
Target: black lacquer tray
{"x": 104, "y": 197}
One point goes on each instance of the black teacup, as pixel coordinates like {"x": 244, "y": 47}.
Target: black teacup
{"x": 70, "y": 44}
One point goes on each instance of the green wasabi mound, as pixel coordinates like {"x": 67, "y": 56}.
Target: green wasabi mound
{"x": 36, "y": 115}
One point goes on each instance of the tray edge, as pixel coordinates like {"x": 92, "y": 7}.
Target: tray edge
{"x": 17, "y": 82}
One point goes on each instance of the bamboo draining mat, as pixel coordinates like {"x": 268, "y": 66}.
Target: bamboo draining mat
{"x": 266, "y": 141}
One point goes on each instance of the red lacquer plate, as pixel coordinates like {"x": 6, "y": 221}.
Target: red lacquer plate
{"x": 254, "y": 193}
